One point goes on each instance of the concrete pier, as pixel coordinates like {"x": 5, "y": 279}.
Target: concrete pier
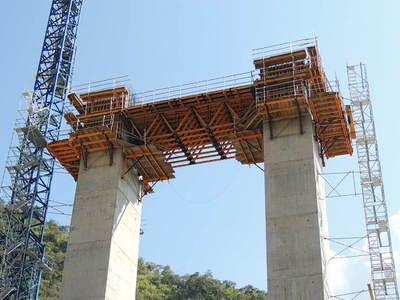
{"x": 103, "y": 246}
{"x": 295, "y": 213}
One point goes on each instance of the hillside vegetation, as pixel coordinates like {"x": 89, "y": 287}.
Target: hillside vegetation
{"x": 155, "y": 282}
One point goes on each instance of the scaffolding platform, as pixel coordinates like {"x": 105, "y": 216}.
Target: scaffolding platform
{"x": 68, "y": 156}
{"x": 149, "y": 161}
{"x": 34, "y": 135}
{"x": 208, "y": 121}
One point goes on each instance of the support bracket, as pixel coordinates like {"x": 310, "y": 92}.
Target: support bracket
{"x": 84, "y": 155}
{"x": 126, "y": 169}
{"x": 271, "y": 133}
{"x": 299, "y": 113}
{"x": 146, "y": 191}
{"x": 110, "y": 149}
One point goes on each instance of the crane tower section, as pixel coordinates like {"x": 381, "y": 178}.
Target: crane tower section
{"x": 25, "y": 192}
{"x": 379, "y": 241}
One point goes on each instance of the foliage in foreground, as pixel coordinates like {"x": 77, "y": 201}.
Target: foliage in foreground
{"x": 154, "y": 282}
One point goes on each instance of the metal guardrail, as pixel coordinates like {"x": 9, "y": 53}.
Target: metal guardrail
{"x": 283, "y": 48}
{"x": 99, "y": 85}
{"x": 199, "y": 87}
{"x": 168, "y": 93}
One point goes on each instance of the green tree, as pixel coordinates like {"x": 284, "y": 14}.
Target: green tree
{"x": 253, "y": 293}
{"x": 55, "y": 240}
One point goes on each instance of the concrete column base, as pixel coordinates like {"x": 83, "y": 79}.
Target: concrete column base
{"x": 103, "y": 246}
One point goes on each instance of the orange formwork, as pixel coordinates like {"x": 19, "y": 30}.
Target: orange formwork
{"x": 208, "y": 125}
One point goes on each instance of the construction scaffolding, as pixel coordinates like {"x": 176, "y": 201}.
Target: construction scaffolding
{"x": 376, "y": 218}
{"x": 294, "y": 84}
{"x": 207, "y": 121}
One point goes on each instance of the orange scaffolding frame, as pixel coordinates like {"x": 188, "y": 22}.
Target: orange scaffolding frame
{"x": 208, "y": 125}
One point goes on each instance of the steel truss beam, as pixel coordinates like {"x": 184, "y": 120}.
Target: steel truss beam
{"x": 194, "y": 139}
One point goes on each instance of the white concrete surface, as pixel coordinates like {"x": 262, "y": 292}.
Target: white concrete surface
{"x": 295, "y": 213}
{"x": 103, "y": 246}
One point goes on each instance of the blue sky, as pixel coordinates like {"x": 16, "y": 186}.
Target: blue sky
{"x": 212, "y": 216}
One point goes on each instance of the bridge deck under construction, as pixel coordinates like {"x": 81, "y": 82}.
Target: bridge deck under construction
{"x": 212, "y": 125}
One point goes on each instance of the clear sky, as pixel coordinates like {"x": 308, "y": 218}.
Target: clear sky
{"x": 211, "y": 217}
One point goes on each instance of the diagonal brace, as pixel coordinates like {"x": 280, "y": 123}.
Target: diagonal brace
{"x": 213, "y": 139}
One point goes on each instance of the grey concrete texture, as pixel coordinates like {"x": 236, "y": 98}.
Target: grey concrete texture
{"x": 103, "y": 246}
{"x": 295, "y": 213}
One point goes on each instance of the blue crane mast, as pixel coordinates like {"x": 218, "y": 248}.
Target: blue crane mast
{"x": 30, "y": 166}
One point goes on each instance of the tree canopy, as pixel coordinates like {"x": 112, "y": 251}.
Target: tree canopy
{"x": 158, "y": 282}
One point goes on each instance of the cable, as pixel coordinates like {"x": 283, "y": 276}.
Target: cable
{"x": 212, "y": 198}
{"x": 349, "y": 294}
{"x": 345, "y": 238}
{"x": 259, "y": 167}
{"x": 59, "y": 213}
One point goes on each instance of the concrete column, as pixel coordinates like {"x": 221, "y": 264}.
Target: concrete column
{"x": 103, "y": 246}
{"x": 295, "y": 213}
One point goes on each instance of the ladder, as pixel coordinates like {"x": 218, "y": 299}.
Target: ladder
{"x": 383, "y": 271}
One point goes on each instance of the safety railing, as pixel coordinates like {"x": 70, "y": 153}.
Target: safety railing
{"x": 100, "y": 85}
{"x": 101, "y": 123}
{"x": 282, "y": 90}
{"x": 283, "y": 48}
{"x": 199, "y": 87}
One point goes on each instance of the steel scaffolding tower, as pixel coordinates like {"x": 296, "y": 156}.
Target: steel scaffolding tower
{"x": 379, "y": 241}
{"x": 30, "y": 165}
